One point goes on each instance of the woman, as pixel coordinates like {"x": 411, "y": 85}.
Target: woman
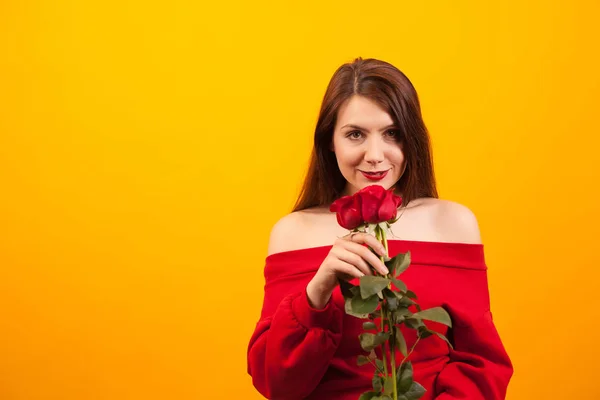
{"x": 370, "y": 131}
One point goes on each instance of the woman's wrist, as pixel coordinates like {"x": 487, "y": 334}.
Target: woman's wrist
{"x": 317, "y": 296}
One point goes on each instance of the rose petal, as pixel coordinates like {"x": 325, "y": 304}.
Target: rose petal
{"x": 340, "y": 203}
{"x": 398, "y": 201}
{"x": 370, "y": 207}
{"x": 348, "y": 211}
{"x": 375, "y": 190}
{"x": 388, "y": 209}
{"x": 349, "y": 218}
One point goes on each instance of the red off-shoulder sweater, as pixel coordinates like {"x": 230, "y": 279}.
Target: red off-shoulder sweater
{"x": 299, "y": 352}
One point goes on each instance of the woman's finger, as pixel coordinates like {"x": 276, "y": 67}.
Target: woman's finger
{"x": 367, "y": 255}
{"x": 368, "y": 239}
{"x": 353, "y": 259}
{"x": 349, "y": 270}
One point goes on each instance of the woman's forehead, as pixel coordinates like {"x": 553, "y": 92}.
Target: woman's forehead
{"x": 365, "y": 113}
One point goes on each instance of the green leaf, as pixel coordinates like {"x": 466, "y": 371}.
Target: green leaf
{"x": 399, "y": 284}
{"x": 402, "y": 312}
{"x": 388, "y": 385}
{"x": 379, "y": 364}
{"x": 369, "y": 325}
{"x": 349, "y": 311}
{"x": 405, "y": 377}
{"x": 368, "y": 341}
{"x": 411, "y": 294}
{"x": 406, "y": 301}
{"x": 424, "y": 332}
{"x": 391, "y": 298}
{"x": 371, "y": 284}
{"x": 413, "y": 323}
{"x": 436, "y": 314}
{"x": 364, "y": 306}
{"x": 368, "y": 396}
{"x": 400, "y": 341}
{"x": 398, "y": 264}
{"x": 377, "y": 383}
{"x": 415, "y": 392}
{"x": 444, "y": 338}
{"x": 362, "y": 360}
{"x": 346, "y": 288}
{"x": 381, "y": 337}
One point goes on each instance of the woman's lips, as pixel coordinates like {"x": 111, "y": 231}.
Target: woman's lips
{"x": 377, "y": 176}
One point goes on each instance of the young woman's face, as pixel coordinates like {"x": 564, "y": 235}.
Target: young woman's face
{"x": 366, "y": 140}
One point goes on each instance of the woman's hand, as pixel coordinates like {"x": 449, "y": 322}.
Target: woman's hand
{"x": 347, "y": 259}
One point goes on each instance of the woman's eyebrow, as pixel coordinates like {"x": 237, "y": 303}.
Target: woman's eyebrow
{"x": 365, "y": 129}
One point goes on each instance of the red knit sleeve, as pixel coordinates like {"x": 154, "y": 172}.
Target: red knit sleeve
{"x": 479, "y": 367}
{"x": 293, "y": 343}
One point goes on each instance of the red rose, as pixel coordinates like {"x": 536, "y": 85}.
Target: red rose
{"x": 378, "y": 204}
{"x": 372, "y": 204}
{"x": 348, "y": 211}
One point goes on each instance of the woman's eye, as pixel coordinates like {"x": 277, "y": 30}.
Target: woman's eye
{"x": 355, "y": 134}
{"x": 392, "y": 133}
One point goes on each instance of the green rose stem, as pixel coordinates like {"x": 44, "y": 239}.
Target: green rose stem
{"x": 383, "y": 317}
{"x": 381, "y": 236}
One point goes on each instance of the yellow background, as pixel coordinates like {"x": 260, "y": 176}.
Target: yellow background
{"x": 146, "y": 149}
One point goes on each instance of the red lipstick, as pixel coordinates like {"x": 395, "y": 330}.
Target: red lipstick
{"x": 375, "y": 176}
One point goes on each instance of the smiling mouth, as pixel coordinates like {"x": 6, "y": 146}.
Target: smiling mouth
{"x": 375, "y": 175}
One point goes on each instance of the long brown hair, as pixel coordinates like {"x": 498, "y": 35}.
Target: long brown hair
{"x": 386, "y": 85}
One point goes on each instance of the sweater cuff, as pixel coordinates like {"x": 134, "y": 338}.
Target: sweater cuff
{"x": 329, "y": 317}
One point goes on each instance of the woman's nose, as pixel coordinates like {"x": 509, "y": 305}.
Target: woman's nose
{"x": 374, "y": 151}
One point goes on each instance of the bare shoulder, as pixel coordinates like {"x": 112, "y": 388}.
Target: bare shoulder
{"x": 301, "y": 229}
{"x": 456, "y": 222}
{"x": 283, "y": 232}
